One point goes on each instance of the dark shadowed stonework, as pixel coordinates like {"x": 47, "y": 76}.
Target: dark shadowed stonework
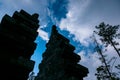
{"x": 59, "y": 60}
{"x": 17, "y": 35}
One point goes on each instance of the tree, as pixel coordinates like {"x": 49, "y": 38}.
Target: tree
{"x": 108, "y": 33}
{"x": 104, "y": 71}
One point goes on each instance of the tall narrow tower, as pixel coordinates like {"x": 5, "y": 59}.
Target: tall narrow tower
{"x": 59, "y": 60}
{"x": 17, "y": 35}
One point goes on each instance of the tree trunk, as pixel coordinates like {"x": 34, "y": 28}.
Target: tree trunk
{"x": 99, "y": 50}
{"x": 114, "y": 47}
{"x": 104, "y": 61}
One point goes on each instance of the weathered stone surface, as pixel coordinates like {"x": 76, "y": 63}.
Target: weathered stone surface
{"x": 17, "y": 45}
{"x": 59, "y": 60}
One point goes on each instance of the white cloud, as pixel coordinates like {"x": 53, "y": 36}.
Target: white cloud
{"x": 43, "y": 35}
{"x": 91, "y": 62}
{"x": 73, "y": 21}
{"x": 82, "y": 18}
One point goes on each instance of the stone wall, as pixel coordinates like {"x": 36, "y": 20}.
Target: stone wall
{"x": 59, "y": 60}
{"x": 17, "y": 35}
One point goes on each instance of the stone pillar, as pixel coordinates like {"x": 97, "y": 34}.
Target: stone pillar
{"x": 17, "y": 36}
{"x": 59, "y": 60}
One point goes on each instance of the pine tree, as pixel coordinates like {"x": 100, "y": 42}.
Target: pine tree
{"x": 104, "y": 71}
{"x": 108, "y": 33}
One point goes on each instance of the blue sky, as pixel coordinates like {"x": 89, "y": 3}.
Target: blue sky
{"x": 75, "y": 19}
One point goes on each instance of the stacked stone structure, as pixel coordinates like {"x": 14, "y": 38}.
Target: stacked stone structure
{"x": 59, "y": 60}
{"x": 17, "y": 35}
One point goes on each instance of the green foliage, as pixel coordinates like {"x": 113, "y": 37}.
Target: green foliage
{"x": 102, "y": 73}
{"x": 108, "y": 34}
